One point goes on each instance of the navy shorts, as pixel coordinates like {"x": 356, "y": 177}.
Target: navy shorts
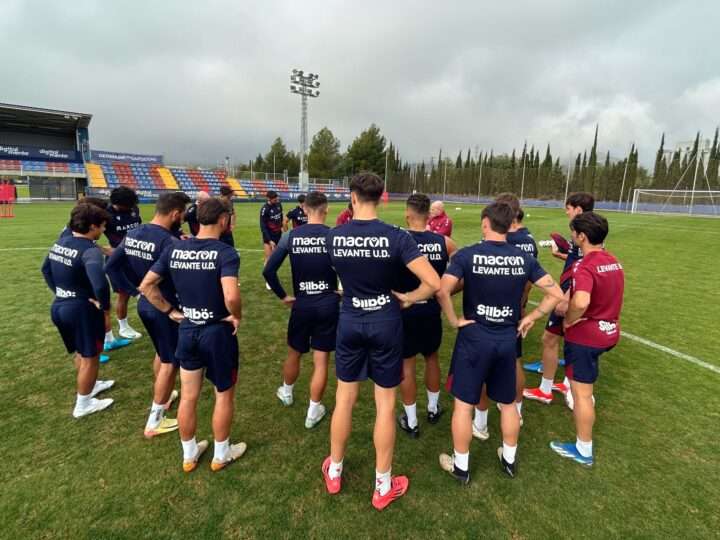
{"x": 481, "y": 358}
{"x": 162, "y": 331}
{"x": 313, "y": 327}
{"x": 555, "y": 324}
{"x": 582, "y": 362}
{"x": 369, "y": 350}
{"x": 213, "y": 348}
{"x": 81, "y": 326}
{"x": 274, "y": 237}
{"x": 422, "y": 334}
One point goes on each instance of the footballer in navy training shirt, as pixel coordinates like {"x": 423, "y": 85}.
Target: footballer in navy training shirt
{"x": 576, "y": 204}
{"x": 124, "y": 216}
{"x": 204, "y": 271}
{"x": 494, "y": 275}
{"x": 314, "y": 315}
{"x": 127, "y": 266}
{"x": 73, "y": 270}
{"x": 272, "y": 222}
{"x": 297, "y": 215}
{"x": 422, "y": 326}
{"x": 368, "y": 255}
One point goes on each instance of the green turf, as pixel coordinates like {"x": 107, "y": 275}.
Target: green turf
{"x": 656, "y": 442}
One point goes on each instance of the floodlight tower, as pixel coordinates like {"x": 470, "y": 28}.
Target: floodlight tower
{"x": 306, "y": 85}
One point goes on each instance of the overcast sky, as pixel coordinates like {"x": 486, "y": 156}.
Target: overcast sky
{"x": 196, "y": 81}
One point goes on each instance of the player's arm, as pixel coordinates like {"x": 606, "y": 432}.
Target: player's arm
{"x": 150, "y": 287}
{"x": 450, "y": 246}
{"x": 229, "y": 269}
{"x": 46, "y": 270}
{"x": 92, "y": 260}
{"x": 429, "y": 281}
{"x": 552, "y": 296}
{"x": 557, "y": 253}
{"x": 580, "y": 299}
{"x": 116, "y": 269}
{"x": 448, "y": 283}
{"x": 263, "y": 225}
{"x": 271, "y": 269}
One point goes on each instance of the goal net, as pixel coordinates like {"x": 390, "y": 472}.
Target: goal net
{"x": 676, "y": 201}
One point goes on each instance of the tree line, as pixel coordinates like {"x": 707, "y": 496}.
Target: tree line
{"x": 533, "y": 172}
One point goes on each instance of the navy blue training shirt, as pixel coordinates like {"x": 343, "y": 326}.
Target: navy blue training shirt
{"x": 368, "y": 255}
{"x": 192, "y": 220}
{"x": 298, "y": 216}
{"x": 120, "y": 223}
{"x": 195, "y": 267}
{"x": 314, "y": 279}
{"x": 271, "y": 221}
{"x": 134, "y": 257}
{"x": 73, "y": 270}
{"x": 433, "y": 246}
{"x": 523, "y": 240}
{"x": 495, "y": 274}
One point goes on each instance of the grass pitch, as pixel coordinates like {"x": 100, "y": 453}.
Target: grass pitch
{"x": 656, "y": 442}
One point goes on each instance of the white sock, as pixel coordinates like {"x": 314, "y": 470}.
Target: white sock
{"x": 222, "y": 449}
{"x": 382, "y": 482}
{"x": 312, "y": 409}
{"x": 481, "y": 419}
{"x": 411, "y": 412}
{"x": 109, "y": 336}
{"x": 509, "y": 453}
{"x": 190, "y": 449}
{"x": 462, "y": 460}
{"x": 123, "y": 324}
{"x": 566, "y": 382}
{"x": 156, "y": 415}
{"x": 518, "y": 404}
{"x": 585, "y": 448}
{"x": 433, "y": 398}
{"x": 288, "y": 388}
{"x": 335, "y": 469}
{"x": 546, "y": 385}
{"x": 82, "y": 402}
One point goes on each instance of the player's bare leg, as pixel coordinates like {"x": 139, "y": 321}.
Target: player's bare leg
{"x": 408, "y": 420}
{"x": 318, "y": 381}
{"x": 87, "y": 371}
{"x": 480, "y": 421}
{"x": 291, "y": 371}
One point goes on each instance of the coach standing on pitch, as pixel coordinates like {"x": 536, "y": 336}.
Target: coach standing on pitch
{"x": 204, "y": 271}
{"x": 592, "y": 325}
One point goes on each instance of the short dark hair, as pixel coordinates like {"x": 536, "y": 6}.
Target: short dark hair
{"x": 124, "y": 197}
{"x": 95, "y": 201}
{"x": 210, "y": 211}
{"x": 583, "y": 200}
{"x": 520, "y": 215}
{"x": 511, "y": 200}
{"x": 593, "y": 225}
{"x": 315, "y": 200}
{"x": 501, "y": 216}
{"x": 419, "y": 203}
{"x": 167, "y": 202}
{"x": 301, "y": 198}
{"x": 368, "y": 187}
{"x": 84, "y": 215}
{"x": 226, "y": 191}
{"x": 271, "y": 194}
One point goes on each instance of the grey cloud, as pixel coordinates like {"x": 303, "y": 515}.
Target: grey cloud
{"x": 201, "y": 80}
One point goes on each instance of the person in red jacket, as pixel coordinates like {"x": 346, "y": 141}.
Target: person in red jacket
{"x": 345, "y": 216}
{"x": 440, "y": 222}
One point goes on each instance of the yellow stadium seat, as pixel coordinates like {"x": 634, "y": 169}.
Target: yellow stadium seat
{"x": 96, "y": 178}
{"x": 236, "y": 187}
{"x": 168, "y": 178}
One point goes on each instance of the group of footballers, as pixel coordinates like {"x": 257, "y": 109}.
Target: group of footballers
{"x": 370, "y": 292}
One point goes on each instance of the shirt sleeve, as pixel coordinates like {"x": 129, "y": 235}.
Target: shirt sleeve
{"x": 93, "y": 261}
{"x": 116, "y": 269}
{"x": 273, "y": 265}
{"x": 457, "y": 265}
{"x": 263, "y": 224}
{"x": 229, "y": 263}
{"x": 536, "y": 271}
{"x": 407, "y": 248}
{"x": 583, "y": 279}
{"x": 47, "y": 274}
{"x": 162, "y": 265}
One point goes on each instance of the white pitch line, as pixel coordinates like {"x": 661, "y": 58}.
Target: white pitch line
{"x": 663, "y": 348}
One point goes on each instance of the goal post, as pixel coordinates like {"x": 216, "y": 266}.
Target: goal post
{"x": 676, "y": 201}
